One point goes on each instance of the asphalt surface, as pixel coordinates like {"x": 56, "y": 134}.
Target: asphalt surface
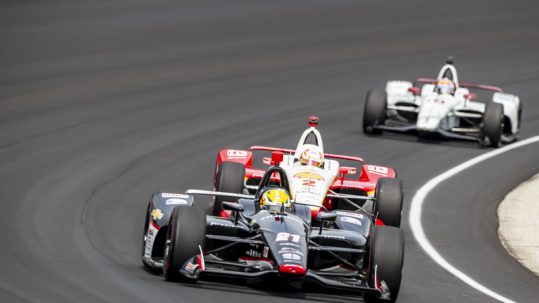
{"x": 103, "y": 102}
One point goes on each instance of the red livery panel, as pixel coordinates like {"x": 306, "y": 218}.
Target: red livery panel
{"x": 362, "y": 184}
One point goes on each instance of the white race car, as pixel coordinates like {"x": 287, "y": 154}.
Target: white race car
{"x": 446, "y": 107}
{"x": 314, "y": 178}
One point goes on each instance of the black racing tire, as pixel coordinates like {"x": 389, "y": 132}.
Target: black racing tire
{"x": 374, "y": 113}
{"x": 388, "y": 202}
{"x": 493, "y": 123}
{"x": 186, "y": 231}
{"x": 229, "y": 178}
{"x": 386, "y": 258}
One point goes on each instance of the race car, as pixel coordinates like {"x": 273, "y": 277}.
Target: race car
{"x": 444, "y": 107}
{"x": 315, "y": 177}
{"x": 269, "y": 237}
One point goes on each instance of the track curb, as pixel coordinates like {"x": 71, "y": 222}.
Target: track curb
{"x": 518, "y": 230}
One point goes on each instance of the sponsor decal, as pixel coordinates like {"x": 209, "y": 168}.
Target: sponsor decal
{"x": 289, "y": 244}
{"x": 351, "y": 220}
{"x": 236, "y": 154}
{"x": 285, "y": 250}
{"x": 176, "y": 202}
{"x": 290, "y": 256}
{"x": 173, "y": 195}
{"x": 314, "y": 199}
{"x": 308, "y": 183}
{"x": 308, "y": 175}
{"x": 287, "y": 237}
{"x": 351, "y": 186}
{"x": 253, "y": 253}
{"x": 190, "y": 267}
{"x": 149, "y": 239}
{"x": 380, "y": 170}
{"x": 222, "y": 224}
{"x": 148, "y": 249}
{"x": 157, "y": 214}
{"x": 349, "y": 214}
{"x": 332, "y": 237}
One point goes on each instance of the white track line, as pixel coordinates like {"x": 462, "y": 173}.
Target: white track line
{"x": 416, "y": 209}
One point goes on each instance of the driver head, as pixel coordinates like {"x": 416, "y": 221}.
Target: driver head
{"x": 445, "y": 86}
{"x": 311, "y": 155}
{"x": 273, "y": 199}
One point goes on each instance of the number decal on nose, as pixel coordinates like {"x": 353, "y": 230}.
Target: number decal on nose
{"x": 287, "y": 237}
{"x": 309, "y": 183}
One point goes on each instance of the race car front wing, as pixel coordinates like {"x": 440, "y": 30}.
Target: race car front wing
{"x": 321, "y": 278}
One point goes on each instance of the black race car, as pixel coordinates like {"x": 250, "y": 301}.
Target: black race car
{"x": 342, "y": 250}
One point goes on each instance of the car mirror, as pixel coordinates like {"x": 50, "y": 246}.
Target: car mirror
{"x": 232, "y": 206}
{"x": 345, "y": 170}
{"x": 414, "y": 90}
{"x": 324, "y": 216}
{"x": 470, "y": 96}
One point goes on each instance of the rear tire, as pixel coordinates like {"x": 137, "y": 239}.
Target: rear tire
{"x": 229, "y": 178}
{"x": 493, "y": 123}
{"x": 186, "y": 231}
{"x": 374, "y": 113}
{"x": 389, "y": 197}
{"x": 386, "y": 258}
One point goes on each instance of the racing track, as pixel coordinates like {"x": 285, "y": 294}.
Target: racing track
{"x": 103, "y": 102}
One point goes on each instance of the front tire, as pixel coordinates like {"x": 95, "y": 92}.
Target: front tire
{"x": 229, "y": 178}
{"x": 186, "y": 231}
{"x": 493, "y": 123}
{"x": 374, "y": 113}
{"x": 386, "y": 260}
{"x": 388, "y": 202}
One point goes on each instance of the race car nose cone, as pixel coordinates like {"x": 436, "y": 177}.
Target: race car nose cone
{"x": 427, "y": 123}
{"x": 292, "y": 269}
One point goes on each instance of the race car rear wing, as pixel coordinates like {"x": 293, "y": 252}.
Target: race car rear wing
{"x": 291, "y": 151}
{"x": 332, "y": 194}
{"x": 217, "y": 193}
{"x": 463, "y": 84}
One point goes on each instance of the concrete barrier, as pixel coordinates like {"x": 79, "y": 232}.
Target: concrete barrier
{"x": 519, "y": 223}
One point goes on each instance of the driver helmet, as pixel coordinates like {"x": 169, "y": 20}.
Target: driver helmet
{"x": 445, "y": 86}
{"x": 311, "y": 155}
{"x": 275, "y": 198}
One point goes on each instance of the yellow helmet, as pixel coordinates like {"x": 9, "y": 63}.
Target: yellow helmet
{"x": 274, "y": 198}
